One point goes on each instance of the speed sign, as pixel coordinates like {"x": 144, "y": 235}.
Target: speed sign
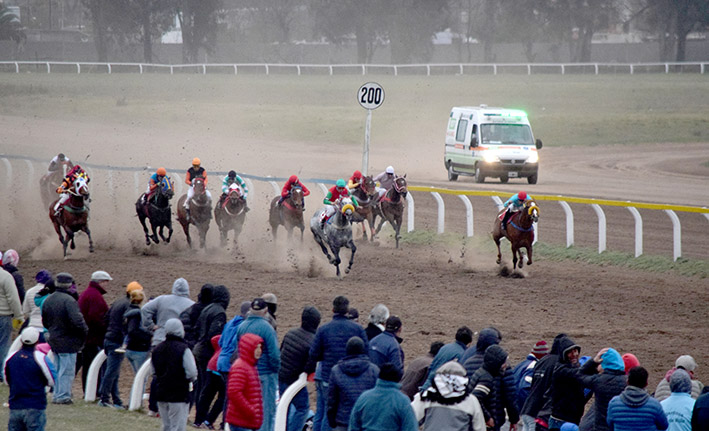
{"x": 370, "y": 95}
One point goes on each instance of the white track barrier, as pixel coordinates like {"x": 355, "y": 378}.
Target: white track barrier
{"x": 178, "y": 182}
{"x": 250, "y": 185}
{"x": 676, "y": 235}
{"x": 286, "y": 398}
{"x": 638, "y": 231}
{"x": 30, "y": 174}
{"x": 323, "y": 189}
{"x": 410, "y": 212}
{"x": 92, "y": 377}
{"x": 498, "y": 202}
{"x": 275, "y": 187}
{"x": 569, "y": 223}
{"x": 8, "y": 173}
{"x": 441, "y": 212}
{"x": 601, "y": 227}
{"x": 136, "y": 184}
{"x": 468, "y": 215}
{"x": 136, "y": 391}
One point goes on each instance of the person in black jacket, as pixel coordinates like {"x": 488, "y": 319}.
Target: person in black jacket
{"x": 138, "y": 338}
{"x": 377, "y": 318}
{"x": 294, "y": 355}
{"x": 211, "y": 322}
{"x": 605, "y": 385}
{"x": 567, "y": 395}
{"x": 541, "y": 381}
{"x": 472, "y": 358}
{"x": 190, "y": 316}
{"x": 700, "y": 413}
{"x": 493, "y": 385}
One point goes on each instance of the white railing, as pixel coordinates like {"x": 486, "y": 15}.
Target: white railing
{"x": 699, "y": 67}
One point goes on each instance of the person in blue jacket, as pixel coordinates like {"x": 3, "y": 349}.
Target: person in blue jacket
{"x": 450, "y": 352}
{"x": 514, "y": 204}
{"x": 635, "y": 409}
{"x": 386, "y": 347}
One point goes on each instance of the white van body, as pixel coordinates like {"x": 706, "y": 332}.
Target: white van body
{"x": 491, "y": 142}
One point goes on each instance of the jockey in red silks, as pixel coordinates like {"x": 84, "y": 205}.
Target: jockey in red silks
{"x": 514, "y": 204}
{"x": 293, "y": 181}
{"x": 67, "y": 184}
{"x": 355, "y": 180}
{"x": 336, "y": 192}
{"x": 154, "y": 183}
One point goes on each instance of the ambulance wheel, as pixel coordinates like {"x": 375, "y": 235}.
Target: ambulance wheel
{"x": 532, "y": 179}
{"x": 479, "y": 178}
{"x": 504, "y": 179}
{"x": 452, "y": 176}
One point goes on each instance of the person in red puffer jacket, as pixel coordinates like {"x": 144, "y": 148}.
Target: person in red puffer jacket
{"x": 245, "y": 404}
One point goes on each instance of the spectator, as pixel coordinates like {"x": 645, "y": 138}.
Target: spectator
{"x": 227, "y": 341}
{"x": 272, "y": 304}
{"x": 190, "y": 316}
{"x": 94, "y": 308}
{"x": 10, "y": 311}
{"x": 686, "y": 363}
{"x": 449, "y": 404}
{"x": 386, "y": 347}
{"x": 328, "y": 348}
{"x": 115, "y": 330}
{"x": 353, "y": 375}
{"x": 679, "y": 405}
{"x": 472, "y": 359}
{"x": 294, "y": 356}
{"x": 541, "y": 381}
{"x": 214, "y": 385}
{"x": 9, "y": 263}
{"x": 269, "y": 361}
{"x": 30, "y": 310}
{"x": 67, "y": 334}
{"x": 137, "y": 337}
{"x": 174, "y": 369}
{"x": 493, "y": 385}
{"x": 27, "y": 373}
{"x": 245, "y": 406}
{"x": 567, "y": 396}
{"x": 630, "y": 361}
{"x": 450, "y": 352}
{"x": 377, "y": 318}
{"x": 523, "y": 373}
{"x": 635, "y": 409}
{"x": 384, "y": 407}
{"x": 353, "y": 314}
{"x": 700, "y": 413}
{"x": 417, "y": 371}
{"x": 604, "y": 385}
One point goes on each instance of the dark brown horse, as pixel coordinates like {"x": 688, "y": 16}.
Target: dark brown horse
{"x": 230, "y": 214}
{"x": 49, "y": 183}
{"x": 158, "y": 211}
{"x": 366, "y": 195}
{"x": 391, "y": 207}
{"x": 74, "y": 215}
{"x": 519, "y": 231}
{"x": 289, "y": 214}
{"x": 200, "y": 212}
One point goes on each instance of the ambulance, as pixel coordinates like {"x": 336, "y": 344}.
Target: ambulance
{"x": 491, "y": 142}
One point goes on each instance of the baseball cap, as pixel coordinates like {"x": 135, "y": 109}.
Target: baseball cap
{"x": 30, "y": 335}
{"x": 258, "y": 304}
{"x": 100, "y": 276}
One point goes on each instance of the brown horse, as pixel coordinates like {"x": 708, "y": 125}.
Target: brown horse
{"x": 74, "y": 215}
{"x": 289, "y": 214}
{"x": 200, "y": 212}
{"x": 230, "y": 214}
{"x": 366, "y": 195}
{"x": 391, "y": 207}
{"x": 49, "y": 183}
{"x": 519, "y": 231}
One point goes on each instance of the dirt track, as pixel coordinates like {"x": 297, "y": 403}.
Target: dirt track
{"x": 434, "y": 289}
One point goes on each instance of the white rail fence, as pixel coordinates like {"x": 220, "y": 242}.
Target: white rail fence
{"x": 355, "y": 69}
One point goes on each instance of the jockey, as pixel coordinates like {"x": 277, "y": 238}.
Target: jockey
{"x": 385, "y": 180}
{"x": 194, "y": 172}
{"x": 512, "y": 205}
{"x": 57, "y": 162}
{"x": 67, "y": 184}
{"x": 230, "y": 179}
{"x": 337, "y": 192}
{"x": 293, "y": 181}
{"x": 355, "y": 180}
{"x": 154, "y": 183}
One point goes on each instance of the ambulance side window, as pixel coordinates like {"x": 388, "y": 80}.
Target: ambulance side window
{"x": 462, "y": 128}
{"x": 474, "y": 136}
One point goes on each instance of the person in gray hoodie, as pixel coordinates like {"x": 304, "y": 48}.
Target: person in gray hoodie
{"x": 157, "y": 312}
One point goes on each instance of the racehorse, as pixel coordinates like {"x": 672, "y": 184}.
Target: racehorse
{"x": 157, "y": 210}
{"x": 519, "y": 231}
{"x": 366, "y": 195}
{"x": 391, "y": 207}
{"x": 200, "y": 212}
{"x": 289, "y": 214}
{"x": 229, "y": 213}
{"x": 49, "y": 183}
{"x": 337, "y": 232}
{"x": 74, "y": 215}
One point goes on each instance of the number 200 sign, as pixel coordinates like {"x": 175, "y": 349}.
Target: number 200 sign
{"x": 370, "y": 95}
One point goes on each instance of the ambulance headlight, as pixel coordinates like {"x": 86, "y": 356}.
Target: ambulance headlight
{"x": 534, "y": 158}
{"x": 491, "y": 158}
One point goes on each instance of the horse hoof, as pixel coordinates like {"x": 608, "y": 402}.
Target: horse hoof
{"x": 91, "y": 250}
{"x": 147, "y": 242}
{"x": 498, "y": 261}
{"x": 347, "y": 270}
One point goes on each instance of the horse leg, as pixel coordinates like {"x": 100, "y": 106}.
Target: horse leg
{"x": 154, "y": 236}
{"x": 529, "y": 254}
{"x": 397, "y": 229}
{"x": 351, "y": 245}
{"x": 186, "y": 228}
{"x": 336, "y": 259}
{"x": 370, "y": 222}
{"x": 88, "y": 233}
{"x": 515, "y": 252}
{"x": 322, "y": 246}
{"x": 169, "y": 231}
{"x": 203, "y": 237}
{"x": 496, "y": 238}
{"x": 145, "y": 228}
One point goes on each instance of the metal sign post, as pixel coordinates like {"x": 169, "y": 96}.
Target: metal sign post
{"x": 370, "y": 96}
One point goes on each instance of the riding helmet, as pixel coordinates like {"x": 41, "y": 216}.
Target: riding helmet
{"x": 522, "y": 196}
{"x": 196, "y": 161}
{"x": 390, "y": 170}
{"x": 61, "y": 156}
{"x": 232, "y": 174}
{"x": 340, "y": 183}
{"x": 162, "y": 172}
{"x": 293, "y": 179}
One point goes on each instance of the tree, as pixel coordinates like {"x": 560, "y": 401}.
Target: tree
{"x": 414, "y": 24}
{"x": 672, "y": 21}
{"x": 198, "y": 21}
{"x": 10, "y": 26}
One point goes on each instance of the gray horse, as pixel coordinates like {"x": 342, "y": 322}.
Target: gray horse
{"x": 337, "y": 233}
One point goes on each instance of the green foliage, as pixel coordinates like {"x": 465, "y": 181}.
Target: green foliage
{"x": 10, "y": 26}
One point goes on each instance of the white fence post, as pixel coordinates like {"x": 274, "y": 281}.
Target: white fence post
{"x": 8, "y": 172}
{"x": 30, "y": 173}
{"x": 638, "y": 231}
{"x": 136, "y": 183}
{"x": 410, "y": 212}
{"x": 601, "y": 227}
{"x": 92, "y": 376}
{"x": 284, "y": 402}
{"x": 441, "y": 212}
{"x": 179, "y": 183}
{"x": 468, "y": 214}
{"x": 250, "y": 185}
{"x": 569, "y": 223}
{"x": 498, "y": 202}
{"x": 706, "y": 215}
{"x": 275, "y": 187}
{"x": 323, "y": 189}
{"x": 676, "y": 235}
{"x": 136, "y": 391}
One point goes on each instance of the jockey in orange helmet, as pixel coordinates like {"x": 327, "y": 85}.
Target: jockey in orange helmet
{"x": 195, "y": 171}
{"x": 153, "y": 183}
{"x": 293, "y": 181}
{"x": 514, "y": 204}
{"x": 67, "y": 184}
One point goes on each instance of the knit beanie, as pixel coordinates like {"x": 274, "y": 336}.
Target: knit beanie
{"x": 43, "y": 276}
{"x": 64, "y": 280}
{"x": 630, "y": 361}
{"x": 680, "y": 381}
{"x": 11, "y": 258}
{"x": 569, "y": 426}
{"x": 245, "y": 307}
{"x": 540, "y": 349}
{"x": 355, "y": 346}
{"x": 390, "y": 373}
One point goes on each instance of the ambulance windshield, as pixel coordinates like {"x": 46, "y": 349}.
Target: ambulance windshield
{"x": 506, "y": 134}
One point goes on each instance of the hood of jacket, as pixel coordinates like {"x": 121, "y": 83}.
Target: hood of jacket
{"x": 174, "y": 327}
{"x": 495, "y": 357}
{"x": 181, "y": 288}
{"x": 634, "y": 397}
{"x": 215, "y": 342}
{"x": 354, "y": 365}
{"x": 612, "y": 360}
{"x": 204, "y": 296}
{"x": 310, "y": 319}
{"x": 486, "y": 338}
{"x": 555, "y": 344}
{"x": 220, "y": 295}
{"x": 247, "y": 346}
{"x": 565, "y": 345}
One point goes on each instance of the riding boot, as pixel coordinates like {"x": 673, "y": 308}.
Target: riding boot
{"x": 303, "y": 206}
{"x": 505, "y": 219}
{"x": 322, "y": 223}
